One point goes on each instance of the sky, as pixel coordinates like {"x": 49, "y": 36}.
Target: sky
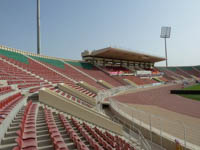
{"x": 68, "y": 27}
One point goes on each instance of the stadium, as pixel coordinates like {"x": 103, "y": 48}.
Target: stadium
{"x": 113, "y": 98}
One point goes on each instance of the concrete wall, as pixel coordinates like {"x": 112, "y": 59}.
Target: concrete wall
{"x": 105, "y": 84}
{"x": 130, "y": 82}
{"x": 87, "y": 86}
{"x": 53, "y": 99}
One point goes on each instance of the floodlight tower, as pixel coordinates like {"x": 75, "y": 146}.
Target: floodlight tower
{"x": 165, "y": 33}
{"x": 38, "y": 26}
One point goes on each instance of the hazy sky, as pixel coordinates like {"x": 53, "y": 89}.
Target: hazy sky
{"x": 70, "y": 26}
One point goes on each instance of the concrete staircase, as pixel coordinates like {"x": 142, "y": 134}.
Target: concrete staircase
{"x": 8, "y": 142}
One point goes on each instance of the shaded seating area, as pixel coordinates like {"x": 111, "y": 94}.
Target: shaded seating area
{"x": 116, "y": 70}
{"x": 95, "y": 72}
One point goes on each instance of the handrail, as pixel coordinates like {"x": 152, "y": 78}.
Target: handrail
{"x": 156, "y": 125}
{"x": 144, "y": 144}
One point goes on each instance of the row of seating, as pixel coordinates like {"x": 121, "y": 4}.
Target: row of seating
{"x": 22, "y": 86}
{"x": 97, "y": 137}
{"x": 116, "y": 70}
{"x": 86, "y": 135}
{"x": 95, "y": 72}
{"x": 107, "y": 140}
{"x": 89, "y": 139}
{"x": 44, "y": 72}
{"x": 179, "y": 72}
{"x": 74, "y": 74}
{"x": 55, "y": 135}
{"x": 35, "y": 89}
{"x": 115, "y": 142}
{"x": 70, "y": 97}
{"x": 82, "y": 90}
{"x": 5, "y": 89}
{"x": 13, "y": 75}
{"x": 139, "y": 81}
{"x": 38, "y": 69}
{"x": 48, "y": 74}
{"x": 73, "y": 135}
{"x": 7, "y": 104}
{"x": 27, "y": 139}
{"x": 6, "y": 101}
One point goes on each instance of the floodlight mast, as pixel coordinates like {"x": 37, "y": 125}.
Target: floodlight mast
{"x": 166, "y": 52}
{"x": 165, "y": 33}
{"x": 38, "y": 26}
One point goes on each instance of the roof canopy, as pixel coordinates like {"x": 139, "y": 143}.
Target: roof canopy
{"x": 121, "y": 54}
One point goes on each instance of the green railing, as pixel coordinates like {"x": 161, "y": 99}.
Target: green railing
{"x": 81, "y": 64}
{"x": 172, "y": 68}
{"x": 186, "y": 68}
{"x": 53, "y": 62}
{"x": 14, "y": 55}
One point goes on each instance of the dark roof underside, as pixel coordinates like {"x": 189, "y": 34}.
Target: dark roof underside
{"x": 116, "y": 53}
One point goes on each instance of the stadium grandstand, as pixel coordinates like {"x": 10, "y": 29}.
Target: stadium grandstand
{"x": 112, "y": 99}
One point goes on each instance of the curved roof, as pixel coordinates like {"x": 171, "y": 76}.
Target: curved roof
{"x": 121, "y": 54}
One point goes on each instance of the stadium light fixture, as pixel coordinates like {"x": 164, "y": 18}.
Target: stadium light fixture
{"x": 165, "y": 33}
{"x": 38, "y": 26}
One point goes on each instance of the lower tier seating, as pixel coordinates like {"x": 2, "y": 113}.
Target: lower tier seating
{"x": 37, "y": 126}
{"x": 7, "y": 104}
{"x": 27, "y": 138}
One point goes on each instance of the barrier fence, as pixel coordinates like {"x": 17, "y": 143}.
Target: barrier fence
{"x": 173, "y": 130}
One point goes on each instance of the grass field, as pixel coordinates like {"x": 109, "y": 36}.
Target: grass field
{"x": 190, "y": 96}
{"x": 193, "y": 87}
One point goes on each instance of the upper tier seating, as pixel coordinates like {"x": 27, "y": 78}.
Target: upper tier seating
{"x": 15, "y": 56}
{"x": 34, "y": 67}
{"x": 95, "y": 72}
{"x": 65, "y": 69}
{"x": 53, "y": 62}
{"x": 197, "y": 67}
{"x": 168, "y": 74}
{"x": 190, "y": 70}
{"x": 15, "y": 75}
{"x": 179, "y": 72}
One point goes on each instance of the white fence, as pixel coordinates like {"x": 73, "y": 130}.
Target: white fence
{"x": 172, "y": 130}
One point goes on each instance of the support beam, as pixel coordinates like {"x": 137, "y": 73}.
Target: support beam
{"x": 38, "y": 26}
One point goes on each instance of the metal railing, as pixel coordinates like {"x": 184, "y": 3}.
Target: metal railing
{"x": 172, "y": 130}
{"x": 133, "y": 133}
